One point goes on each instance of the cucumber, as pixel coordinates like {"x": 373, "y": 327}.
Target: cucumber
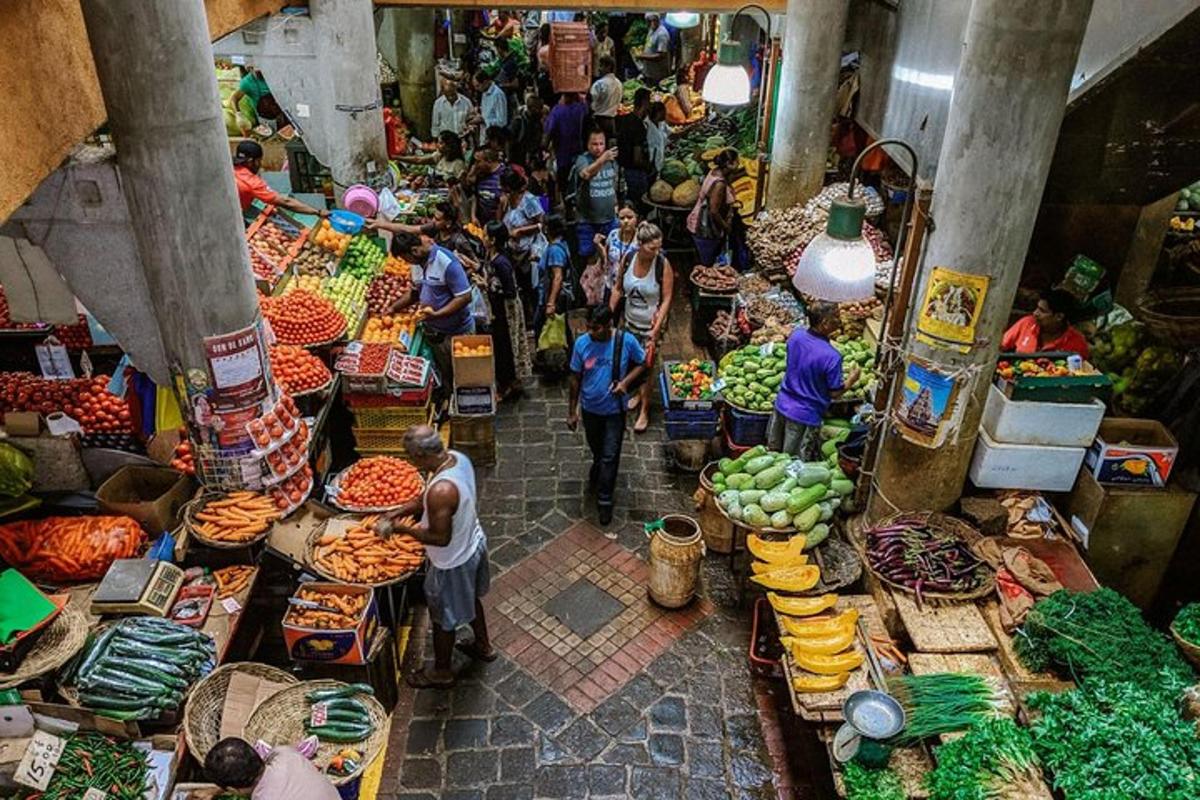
{"x": 342, "y": 691}
{"x": 339, "y": 733}
{"x": 345, "y": 704}
{"x": 337, "y": 716}
{"x": 142, "y": 670}
{"x": 98, "y": 649}
{"x": 757, "y": 465}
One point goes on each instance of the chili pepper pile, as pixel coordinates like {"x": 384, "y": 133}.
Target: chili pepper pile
{"x": 142, "y": 667}
{"x": 923, "y": 558}
{"x": 94, "y": 761}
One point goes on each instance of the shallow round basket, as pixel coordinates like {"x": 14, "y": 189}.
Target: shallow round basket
{"x": 318, "y": 390}
{"x": 202, "y": 711}
{"x": 310, "y": 547}
{"x": 332, "y": 496}
{"x": 280, "y": 720}
{"x": 946, "y": 524}
{"x": 1172, "y": 316}
{"x": 1190, "y": 651}
{"x": 62, "y": 639}
{"x": 196, "y": 505}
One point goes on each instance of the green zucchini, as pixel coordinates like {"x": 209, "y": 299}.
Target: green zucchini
{"x": 350, "y": 690}
{"x": 98, "y": 649}
{"x": 340, "y": 732}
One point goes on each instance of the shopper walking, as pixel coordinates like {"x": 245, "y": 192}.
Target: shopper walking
{"x": 508, "y": 316}
{"x": 451, "y": 111}
{"x": 522, "y": 215}
{"x": 526, "y": 131}
{"x": 456, "y": 546}
{"x": 812, "y": 379}
{"x": 281, "y": 774}
{"x": 593, "y": 183}
{"x": 603, "y": 367}
{"x": 617, "y": 246}
{"x": 606, "y": 96}
{"x": 633, "y": 149}
{"x": 641, "y": 295}
{"x": 555, "y": 274}
{"x": 564, "y": 133}
{"x": 712, "y": 216}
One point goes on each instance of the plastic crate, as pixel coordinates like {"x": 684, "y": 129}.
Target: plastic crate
{"x": 746, "y": 428}
{"x": 392, "y": 418}
{"x": 1060, "y": 389}
{"x": 671, "y": 402}
{"x": 687, "y": 423}
{"x": 368, "y": 439}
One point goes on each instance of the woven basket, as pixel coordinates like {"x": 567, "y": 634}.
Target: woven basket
{"x": 332, "y": 497}
{"x": 62, "y": 639}
{"x": 197, "y": 504}
{"x": 202, "y": 711}
{"x": 1172, "y": 316}
{"x": 310, "y": 547}
{"x": 946, "y": 524}
{"x": 1190, "y": 651}
{"x": 280, "y": 720}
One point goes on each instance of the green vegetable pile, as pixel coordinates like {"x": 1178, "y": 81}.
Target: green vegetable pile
{"x": 765, "y": 489}
{"x": 1139, "y": 367}
{"x": 16, "y": 471}
{"x": 855, "y": 353}
{"x": 94, "y": 761}
{"x": 994, "y": 757}
{"x": 363, "y": 258}
{"x": 1187, "y": 623}
{"x": 752, "y": 375}
{"x": 1110, "y": 740}
{"x": 1100, "y": 635}
{"x": 944, "y": 702}
{"x": 863, "y": 783}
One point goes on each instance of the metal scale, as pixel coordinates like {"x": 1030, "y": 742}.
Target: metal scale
{"x": 137, "y": 586}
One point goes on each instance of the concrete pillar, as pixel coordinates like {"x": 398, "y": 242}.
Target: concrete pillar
{"x": 154, "y": 61}
{"x": 345, "y": 45}
{"x": 1009, "y": 99}
{"x": 413, "y": 36}
{"x": 808, "y": 77}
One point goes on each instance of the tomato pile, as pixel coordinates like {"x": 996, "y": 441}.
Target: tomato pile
{"x": 297, "y": 370}
{"x": 75, "y": 337}
{"x": 274, "y": 425}
{"x": 379, "y": 482}
{"x": 183, "y": 459}
{"x": 303, "y": 318}
{"x": 289, "y": 456}
{"x": 371, "y": 358}
{"x": 87, "y": 400}
{"x": 692, "y": 380}
{"x": 385, "y": 291}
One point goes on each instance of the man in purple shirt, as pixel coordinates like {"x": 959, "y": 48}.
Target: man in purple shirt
{"x": 564, "y": 132}
{"x": 812, "y": 379}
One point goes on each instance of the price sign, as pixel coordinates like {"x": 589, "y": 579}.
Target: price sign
{"x": 37, "y": 765}
{"x": 231, "y": 605}
{"x": 53, "y": 359}
{"x": 320, "y": 713}
{"x": 95, "y": 794}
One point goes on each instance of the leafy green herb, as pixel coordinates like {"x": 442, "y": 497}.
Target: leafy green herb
{"x": 1100, "y": 635}
{"x": 944, "y": 702}
{"x": 1109, "y": 740}
{"x": 993, "y": 757}
{"x": 863, "y": 783}
{"x": 1187, "y": 623}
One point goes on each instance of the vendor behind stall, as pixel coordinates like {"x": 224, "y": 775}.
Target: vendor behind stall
{"x": 1048, "y": 329}
{"x": 247, "y": 161}
{"x": 449, "y": 162}
{"x": 812, "y": 379}
{"x": 235, "y": 766}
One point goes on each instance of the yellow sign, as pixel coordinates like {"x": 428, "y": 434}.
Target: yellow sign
{"x": 951, "y": 307}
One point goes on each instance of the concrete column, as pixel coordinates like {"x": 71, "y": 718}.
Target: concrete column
{"x": 412, "y": 30}
{"x": 808, "y": 77}
{"x": 154, "y": 61}
{"x": 1009, "y": 99}
{"x": 345, "y": 45}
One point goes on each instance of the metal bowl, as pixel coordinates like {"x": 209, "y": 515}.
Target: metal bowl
{"x": 874, "y": 714}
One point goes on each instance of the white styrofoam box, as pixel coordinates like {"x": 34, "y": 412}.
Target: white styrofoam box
{"x": 997, "y": 465}
{"x": 1032, "y": 422}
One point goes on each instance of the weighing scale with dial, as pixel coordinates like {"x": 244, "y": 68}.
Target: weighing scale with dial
{"x": 137, "y": 586}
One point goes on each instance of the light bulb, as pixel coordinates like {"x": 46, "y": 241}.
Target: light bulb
{"x": 727, "y": 85}
{"x": 837, "y": 270}
{"x": 683, "y": 19}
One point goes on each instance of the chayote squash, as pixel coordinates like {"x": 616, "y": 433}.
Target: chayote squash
{"x": 817, "y": 534}
{"x": 757, "y": 465}
{"x": 780, "y": 519}
{"x": 754, "y": 515}
{"x": 749, "y": 497}
{"x": 739, "y": 480}
{"x": 774, "y": 501}
{"x": 728, "y": 498}
{"x": 770, "y": 478}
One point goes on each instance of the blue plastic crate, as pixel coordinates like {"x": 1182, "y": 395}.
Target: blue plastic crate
{"x": 746, "y": 428}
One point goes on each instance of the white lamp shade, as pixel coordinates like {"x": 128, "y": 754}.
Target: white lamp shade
{"x": 837, "y": 270}
{"x": 683, "y": 19}
{"x": 727, "y": 85}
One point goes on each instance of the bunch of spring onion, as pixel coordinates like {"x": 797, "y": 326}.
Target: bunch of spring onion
{"x": 947, "y": 701}
{"x": 995, "y": 758}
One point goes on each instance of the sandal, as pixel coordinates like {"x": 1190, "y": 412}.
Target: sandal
{"x": 473, "y": 652}
{"x": 422, "y": 680}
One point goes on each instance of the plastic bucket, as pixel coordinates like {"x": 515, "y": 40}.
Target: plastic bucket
{"x": 362, "y": 200}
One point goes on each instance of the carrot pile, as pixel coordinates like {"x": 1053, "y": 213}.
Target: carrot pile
{"x": 62, "y": 549}
{"x": 349, "y": 610}
{"x": 363, "y": 556}
{"x": 238, "y": 517}
{"x": 379, "y": 482}
{"x": 231, "y": 580}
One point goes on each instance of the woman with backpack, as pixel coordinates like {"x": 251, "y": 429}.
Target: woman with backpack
{"x": 712, "y": 216}
{"x": 641, "y": 296}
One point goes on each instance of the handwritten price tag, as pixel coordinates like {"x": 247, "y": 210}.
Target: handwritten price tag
{"x": 320, "y": 713}
{"x": 231, "y": 605}
{"x": 37, "y": 765}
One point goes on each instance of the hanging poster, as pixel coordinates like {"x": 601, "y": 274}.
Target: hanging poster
{"x": 235, "y": 365}
{"x": 929, "y": 406}
{"x": 950, "y": 309}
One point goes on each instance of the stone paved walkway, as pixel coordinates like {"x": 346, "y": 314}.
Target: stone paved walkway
{"x": 598, "y": 693}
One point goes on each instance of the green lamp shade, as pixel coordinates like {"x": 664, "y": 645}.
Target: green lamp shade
{"x": 839, "y": 264}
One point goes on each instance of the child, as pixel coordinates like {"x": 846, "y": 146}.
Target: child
{"x": 592, "y": 279}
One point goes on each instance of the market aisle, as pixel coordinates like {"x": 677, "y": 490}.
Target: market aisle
{"x": 598, "y": 693}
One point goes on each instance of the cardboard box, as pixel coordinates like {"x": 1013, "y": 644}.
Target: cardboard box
{"x": 473, "y": 370}
{"x": 23, "y": 423}
{"x": 1132, "y": 452}
{"x": 151, "y": 495}
{"x": 349, "y": 646}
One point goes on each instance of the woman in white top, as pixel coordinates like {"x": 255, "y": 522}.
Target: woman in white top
{"x": 620, "y": 242}
{"x": 642, "y": 293}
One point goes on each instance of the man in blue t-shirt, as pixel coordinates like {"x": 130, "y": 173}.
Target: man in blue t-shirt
{"x": 601, "y": 391}
{"x": 812, "y": 379}
{"x": 442, "y": 291}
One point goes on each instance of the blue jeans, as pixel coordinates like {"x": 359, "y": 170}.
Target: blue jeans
{"x": 604, "y": 434}
{"x": 586, "y": 231}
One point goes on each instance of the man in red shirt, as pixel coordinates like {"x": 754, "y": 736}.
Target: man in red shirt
{"x": 1047, "y": 329}
{"x": 247, "y": 161}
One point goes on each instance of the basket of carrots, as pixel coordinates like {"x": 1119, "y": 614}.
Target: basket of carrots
{"x": 228, "y": 521}
{"x": 376, "y": 484}
{"x": 352, "y": 551}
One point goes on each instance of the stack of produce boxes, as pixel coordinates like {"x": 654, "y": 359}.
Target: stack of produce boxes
{"x": 388, "y": 392}
{"x": 687, "y": 398}
{"x": 473, "y": 411}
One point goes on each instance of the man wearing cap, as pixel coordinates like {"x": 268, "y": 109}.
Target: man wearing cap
{"x": 246, "y": 163}
{"x": 655, "y": 57}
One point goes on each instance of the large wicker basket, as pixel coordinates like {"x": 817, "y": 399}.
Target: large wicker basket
{"x": 280, "y": 720}
{"x": 310, "y": 559}
{"x": 202, "y": 711}
{"x": 1172, "y": 316}
{"x": 1190, "y": 651}
{"x": 61, "y": 640}
{"x": 947, "y": 524}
